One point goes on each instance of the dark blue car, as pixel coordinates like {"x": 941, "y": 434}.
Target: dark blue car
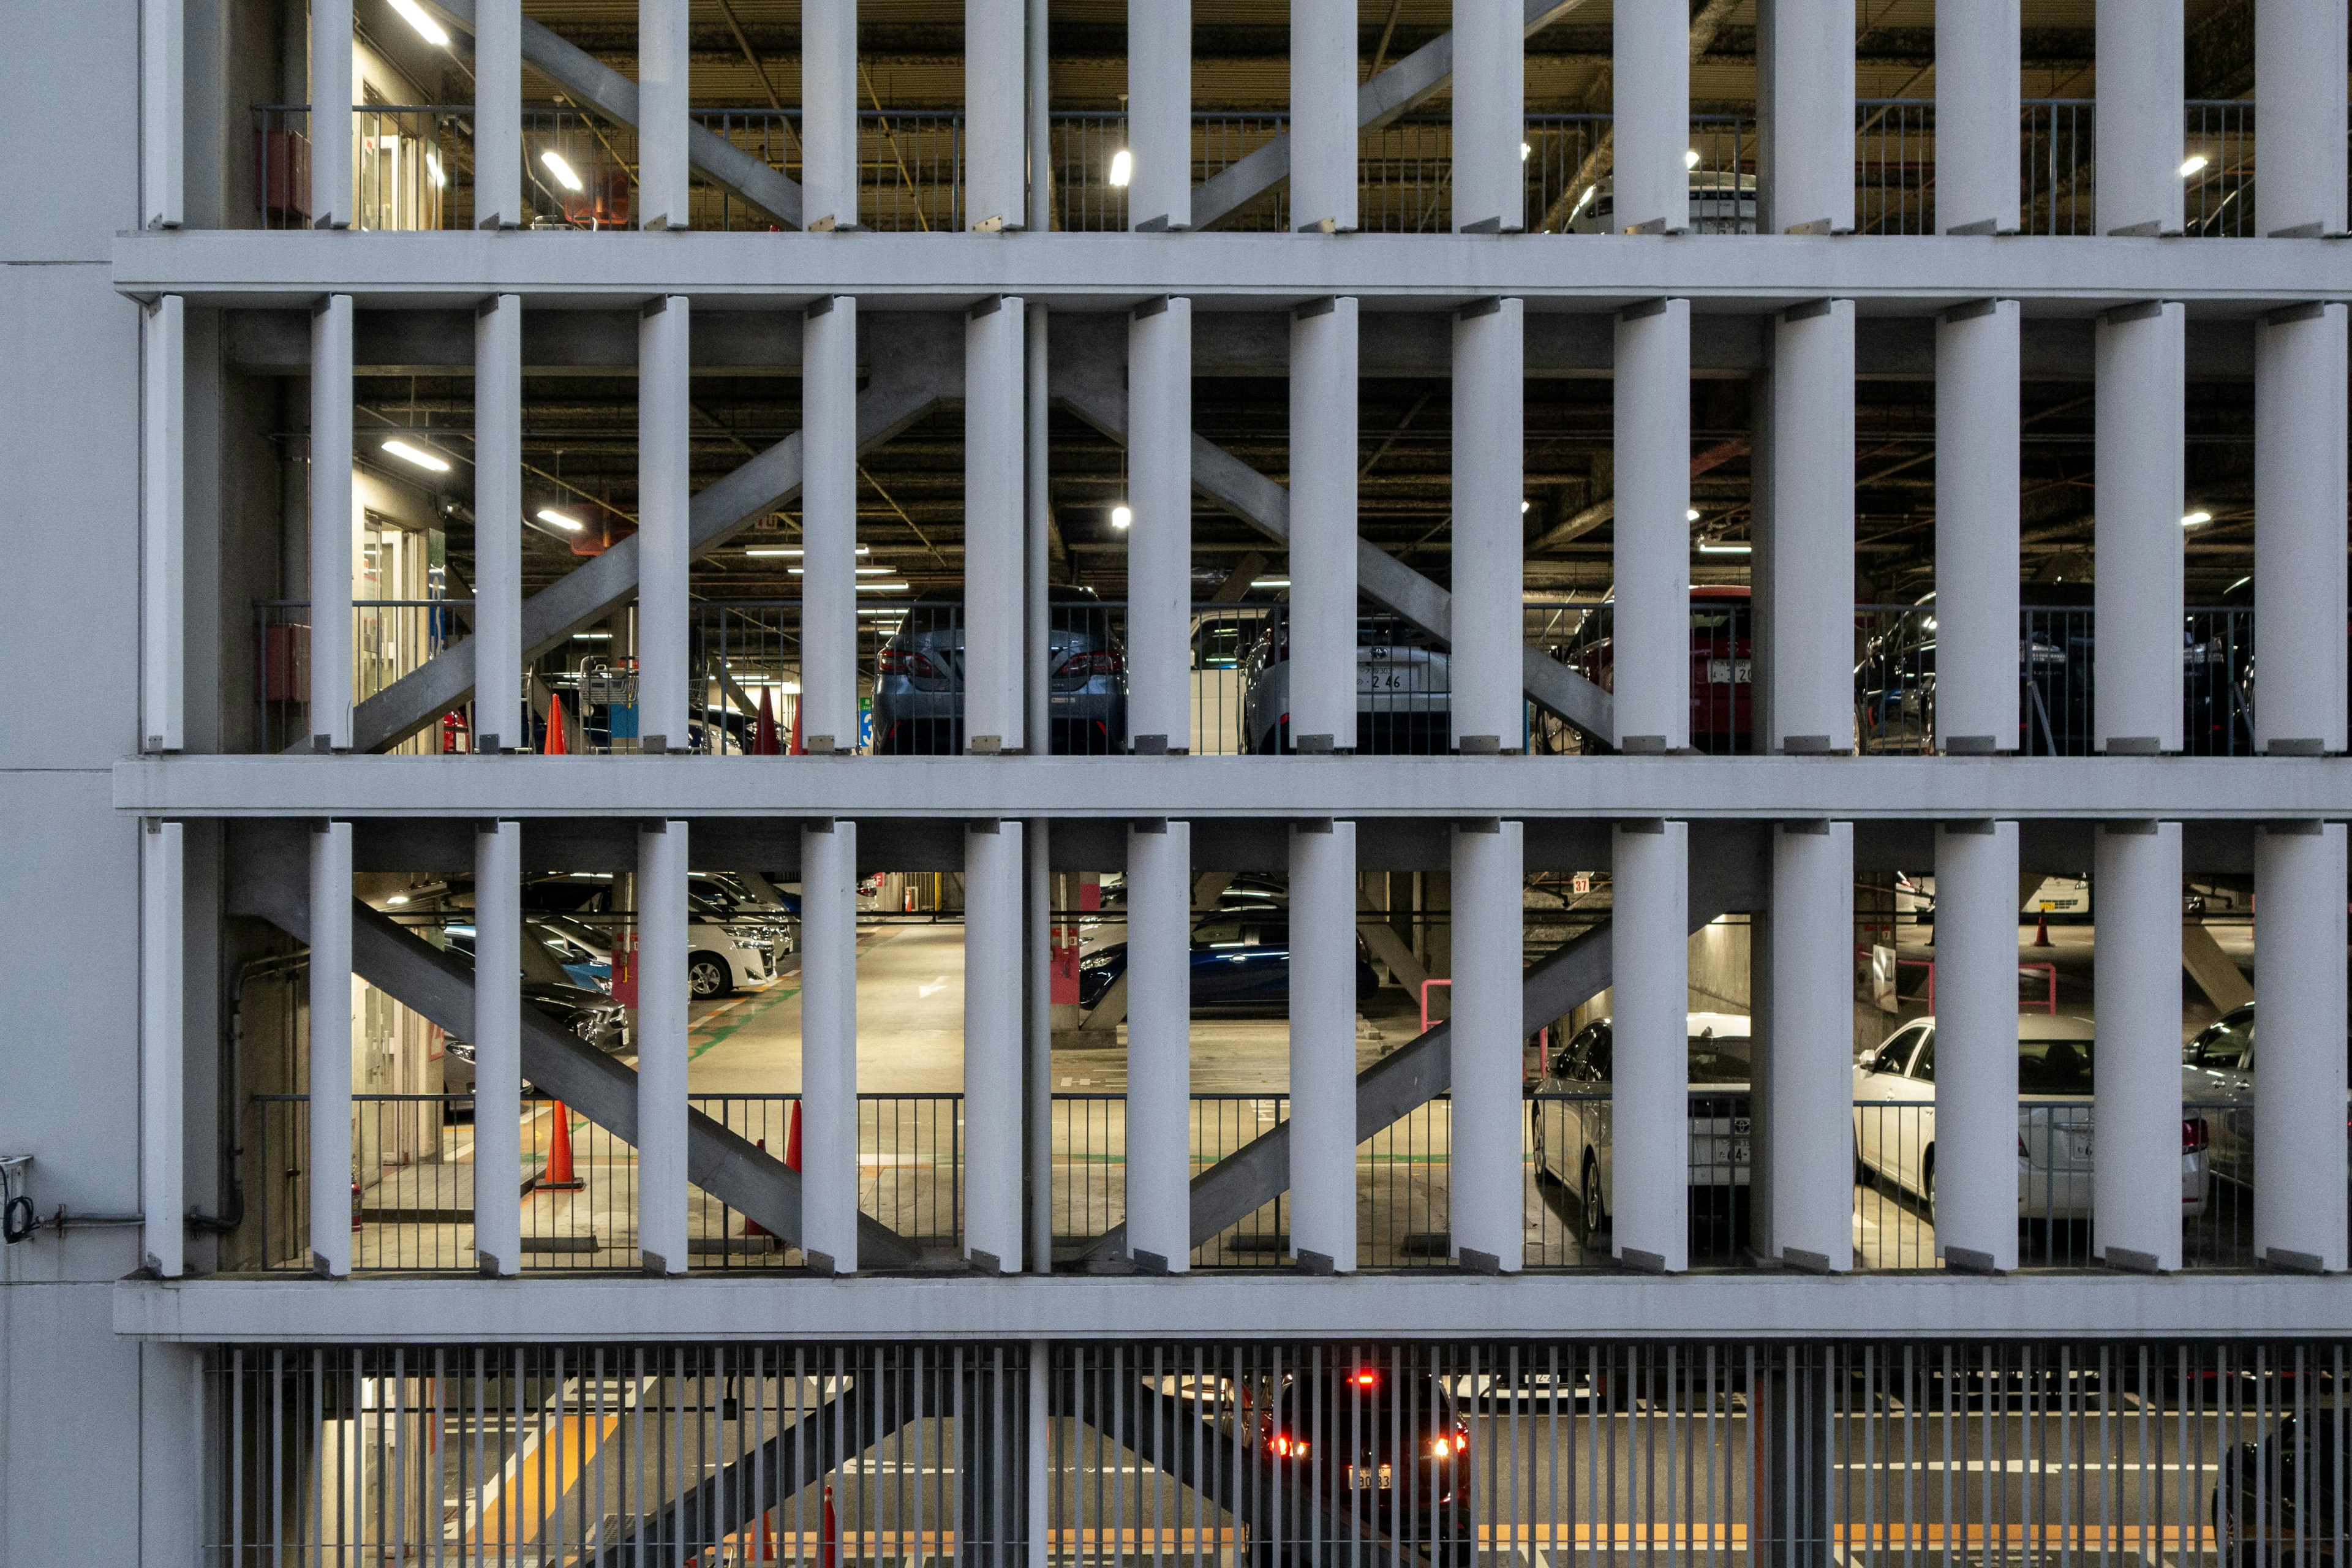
{"x": 1241, "y": 958}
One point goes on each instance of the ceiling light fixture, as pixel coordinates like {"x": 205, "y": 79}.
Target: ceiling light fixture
{"x": 417, "y": 455}
{"x": 882, "y": 587}
{"x": 1690, "y": 158}
{"x": 1122, "y": 168}
{"x": 1122, "y": 516}
{"x": 1710, "y": 547}
{"x": 1526, "y": 151}
{"x": 592, "y": 636}
{"x": 861, "y": 571}
{"x": 1690, "y": 515}
{"x": 431, "y": 31}
{"x": 554, "y": 519}
{"x": 2197, "y": 520}
{"x": 1269, "y": 582}
{"x": 791, "y": 551}
{"x": 2193, "y": 165}
{"x": 560, "y": 170}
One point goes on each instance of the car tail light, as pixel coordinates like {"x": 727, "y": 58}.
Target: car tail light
{"x": 1285, "y": 1446}
{"x": 1454, "y": 1446}
{"x": 1080, "y": 666}
{"x": 906, "y": 661}
{"x": 1366, "y": 1378}
{"x": 2194, "y": 1134}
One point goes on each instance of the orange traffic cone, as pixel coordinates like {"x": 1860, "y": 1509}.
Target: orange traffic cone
{"x": 763, "y": 733}
{"x": 2041, "y": 929}
{"x": 796, "y": 747}
{"x": 792, "y": 1140}
{"x": 557, "y": 745}
{"x": 559, "y": 1175}
{"x": 828, "y": 1547}
{"x": 768, "y": 1536}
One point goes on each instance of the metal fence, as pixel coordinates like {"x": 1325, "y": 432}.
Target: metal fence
{"x": 1542, "y": 1452}
{"x": 1895, "y": 166}
{"x": 2218, "y": 169}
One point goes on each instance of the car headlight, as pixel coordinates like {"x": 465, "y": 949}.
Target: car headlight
{"x": 742, "y": 943}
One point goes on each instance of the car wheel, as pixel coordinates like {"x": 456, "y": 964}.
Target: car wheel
{"x": 1535, "y": 1126}
{"x": 1861, "y": 1171}
{"x": 1930, "y": 1184}
{"x": 707, "y": 976}
{"x": 1591, "y": 1209}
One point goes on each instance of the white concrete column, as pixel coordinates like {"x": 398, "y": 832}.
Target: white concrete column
{"x": 162, "y": 1047}
{"x": 1323, "y": 521}
{"x": 1810, "y": 1023}
{"x": 499, "y": 721}
{"x": 1980, "y": 60}
{"x": 1486, "y": 1198}
{"x": 331, "y": 524}
{"x": 1650, "y": 112}
{"x": 2300, "y": 62}
{"x": 1159, "y": 540}
{"x": 1810, "y": 540}
{"x": 2299, "y": 1071}
{"x": 1978, "y": 384}
{"x": 661, "y": 1193}
{"x": 996, "y": 115}
{"x": 1652, "y": 553}
{"x": 665, "y": 47}
{"x": 829, "y": 525}
{"x": 828, "y": 117}
{"x": 331, "y": 1048}
{"x": 1489, "y": 648}
{"x": 2135, "y": 1071}
{"x": 1648, "y": 1187}
{"x": 498, "y": 1046}
{"x": 2299, "y": 523}
{"x": 1323, "y": 115}
{"x": 331, "y": 100}
{"x": 1804, "y": 88}
{"x": 829, "y": 1120}
{"x": 994, "y": 508}
{"x": 1490, "y": 91}
{"x": 665, "y": 553}
{"x": 2141, "y": 116}
{"x": 1159, "y": 114}
{"x": 993, "y": 1042}
{"x": 1323, "y": 1045}
{"x": 2139, "y": 453}
{"x": 1976, "y": 1045}
{"x": 498, "y": 115}
{"x": 1037, "y": 1033}
{"x": 163, "y": 112}
{"x": 1160, "y": 1043}
{"x": 163, "y": 524}
{"x": 1037, "y": 533}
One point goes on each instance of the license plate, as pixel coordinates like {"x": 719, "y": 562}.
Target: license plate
{"x": 1382, "y": 679}
{"x": 1363, "y": 1478}
{"x": 1739, "y": 1151}
{"x": 1728, "y": 671}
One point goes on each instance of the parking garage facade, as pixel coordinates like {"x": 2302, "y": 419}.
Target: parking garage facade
{"x": 1430, "y": 781}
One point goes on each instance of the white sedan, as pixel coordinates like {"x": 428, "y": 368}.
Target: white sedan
{"x": 1895, "y": 1119}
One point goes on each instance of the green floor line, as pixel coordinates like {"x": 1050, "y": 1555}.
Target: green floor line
{"x": 741, "y": 1019}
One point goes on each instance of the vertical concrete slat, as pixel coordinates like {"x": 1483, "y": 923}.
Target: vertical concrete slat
{"x": 331, "y": 524}
{"x": 665, "y": 48}
{"x": 162, "y": 525}
{"x": 2299, "y": 528}
{"x": 2136, "y": 996}
{"x": 498, "y": 1046}
{"x": 829, "y": 1113}
{"x": 665, "y": 557}
{"x": 1650, "y": 114}
{"x": 2299, "y": 1072}
{"x": 498, "y": 720}
{"x": 1322, "y": 670}
{"x": 992, "y": 1047}
{"x": 163, "y": 112}
{"x": 162, "y": 1047}
{"x": 1159, "y": 540}
{"x": 1976, "y": 1045}
{"x": 1323, "y": 1045}
{"x": 2300, "y": 62}
{"x": 331, "y": 101}
{"x": 995, "y": 508}
{"x": 829, "y": 678}
{"x": 497, "y": 114}
{"x": 996, "y": 114}
{"x": 1805, "y": 103}
{"x": 332, "y": 1178}
{"x": 2141, "y": 117}
{"x": 829, "y": 115}
{"x": 1811, "y": 1027}
{"x": 662, "y": 1195}
{"x": 1486, "y": 1197}
{"x": 1811, "y": 535}
{"x": 1488, "y": 709}
{"x": 1648, "y": 1142}
{"x": 1979, "y": 65}
{"x": 1160, "y": 1043}
{"x": 2139, "y": 456}
{"x": 1978, "y": 388}
{"x": 1490, "y": 183}
{"x": 1653, "y": 548}
{"x": 1159, "y": 114}
{"x": 1323, "y": 133}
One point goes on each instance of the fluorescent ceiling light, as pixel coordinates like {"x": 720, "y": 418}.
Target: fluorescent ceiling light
{"x": 1691, "y": 515}
{"x": 861, "y": 571}
{"x": 397, "y": 899}
{"x": 792, "y": 551}
{"x": 1524, "y": 505}
{"x": 549, "y": 515}
{"x": 1122, "y": 516}
{"x": 1122, "y": 168}
{"x": 417, "y": 455}
{"x": 1269, "y": 582}
{"x": 560, "y": 170}
{"x": 882, "y": 587}
{"x": 1526, "y": 151}
{"x": 2193, "y": 165}
{"x": 1707, "y": 547}
{"x": 431, "y": 31}
{"x": 2197, "y": 520}
{"x": 1690, "y": 158}
{"x": 592, "y": 636}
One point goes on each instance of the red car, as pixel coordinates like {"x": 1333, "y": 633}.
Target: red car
{"x": 1722, "y": 661}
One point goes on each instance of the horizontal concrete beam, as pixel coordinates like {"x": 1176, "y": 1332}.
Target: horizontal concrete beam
{"x": 1917, "y": 789}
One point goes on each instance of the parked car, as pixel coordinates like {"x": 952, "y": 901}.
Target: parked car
{"x": 591, "y": 1014}
{"x": 1404, "y": 689}
{"x": 918, "y": 679}
{"x": 1722, "y": 656}
{"x": 2280, "y": 1499}
{"x": 2216, "y": 1078}
{"x": 1721, "y": 201}
{"x": 1574, "y": 1130}
{"x": 1241, "y": 958}
{"x": 2058, "y": 898}
{"x": 1385, "y": 1449}
{"x": 1895, "y": 1119}
{"x": 720, "y": 959}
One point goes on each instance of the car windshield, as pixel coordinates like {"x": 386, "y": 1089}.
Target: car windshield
{"x": 1718, "y": 1058}
{"x": 2053, "y": 1067}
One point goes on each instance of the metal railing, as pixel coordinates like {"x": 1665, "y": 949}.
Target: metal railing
{"x": 2218, "y": 195}
{"x": 1895, "y": 166}
{"x": 1570, "y": 1158}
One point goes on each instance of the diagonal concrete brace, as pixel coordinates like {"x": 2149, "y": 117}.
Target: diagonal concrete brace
{"x": 272, "y": 883}
{"x": 918, "y": 361}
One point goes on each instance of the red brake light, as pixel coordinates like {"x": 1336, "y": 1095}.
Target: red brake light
{"x": 906, "y": 661}
{"x": 1287, "y": 1447}
{"x": 1366, "y": 1378}
{"x": 2194, "y": 1134}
